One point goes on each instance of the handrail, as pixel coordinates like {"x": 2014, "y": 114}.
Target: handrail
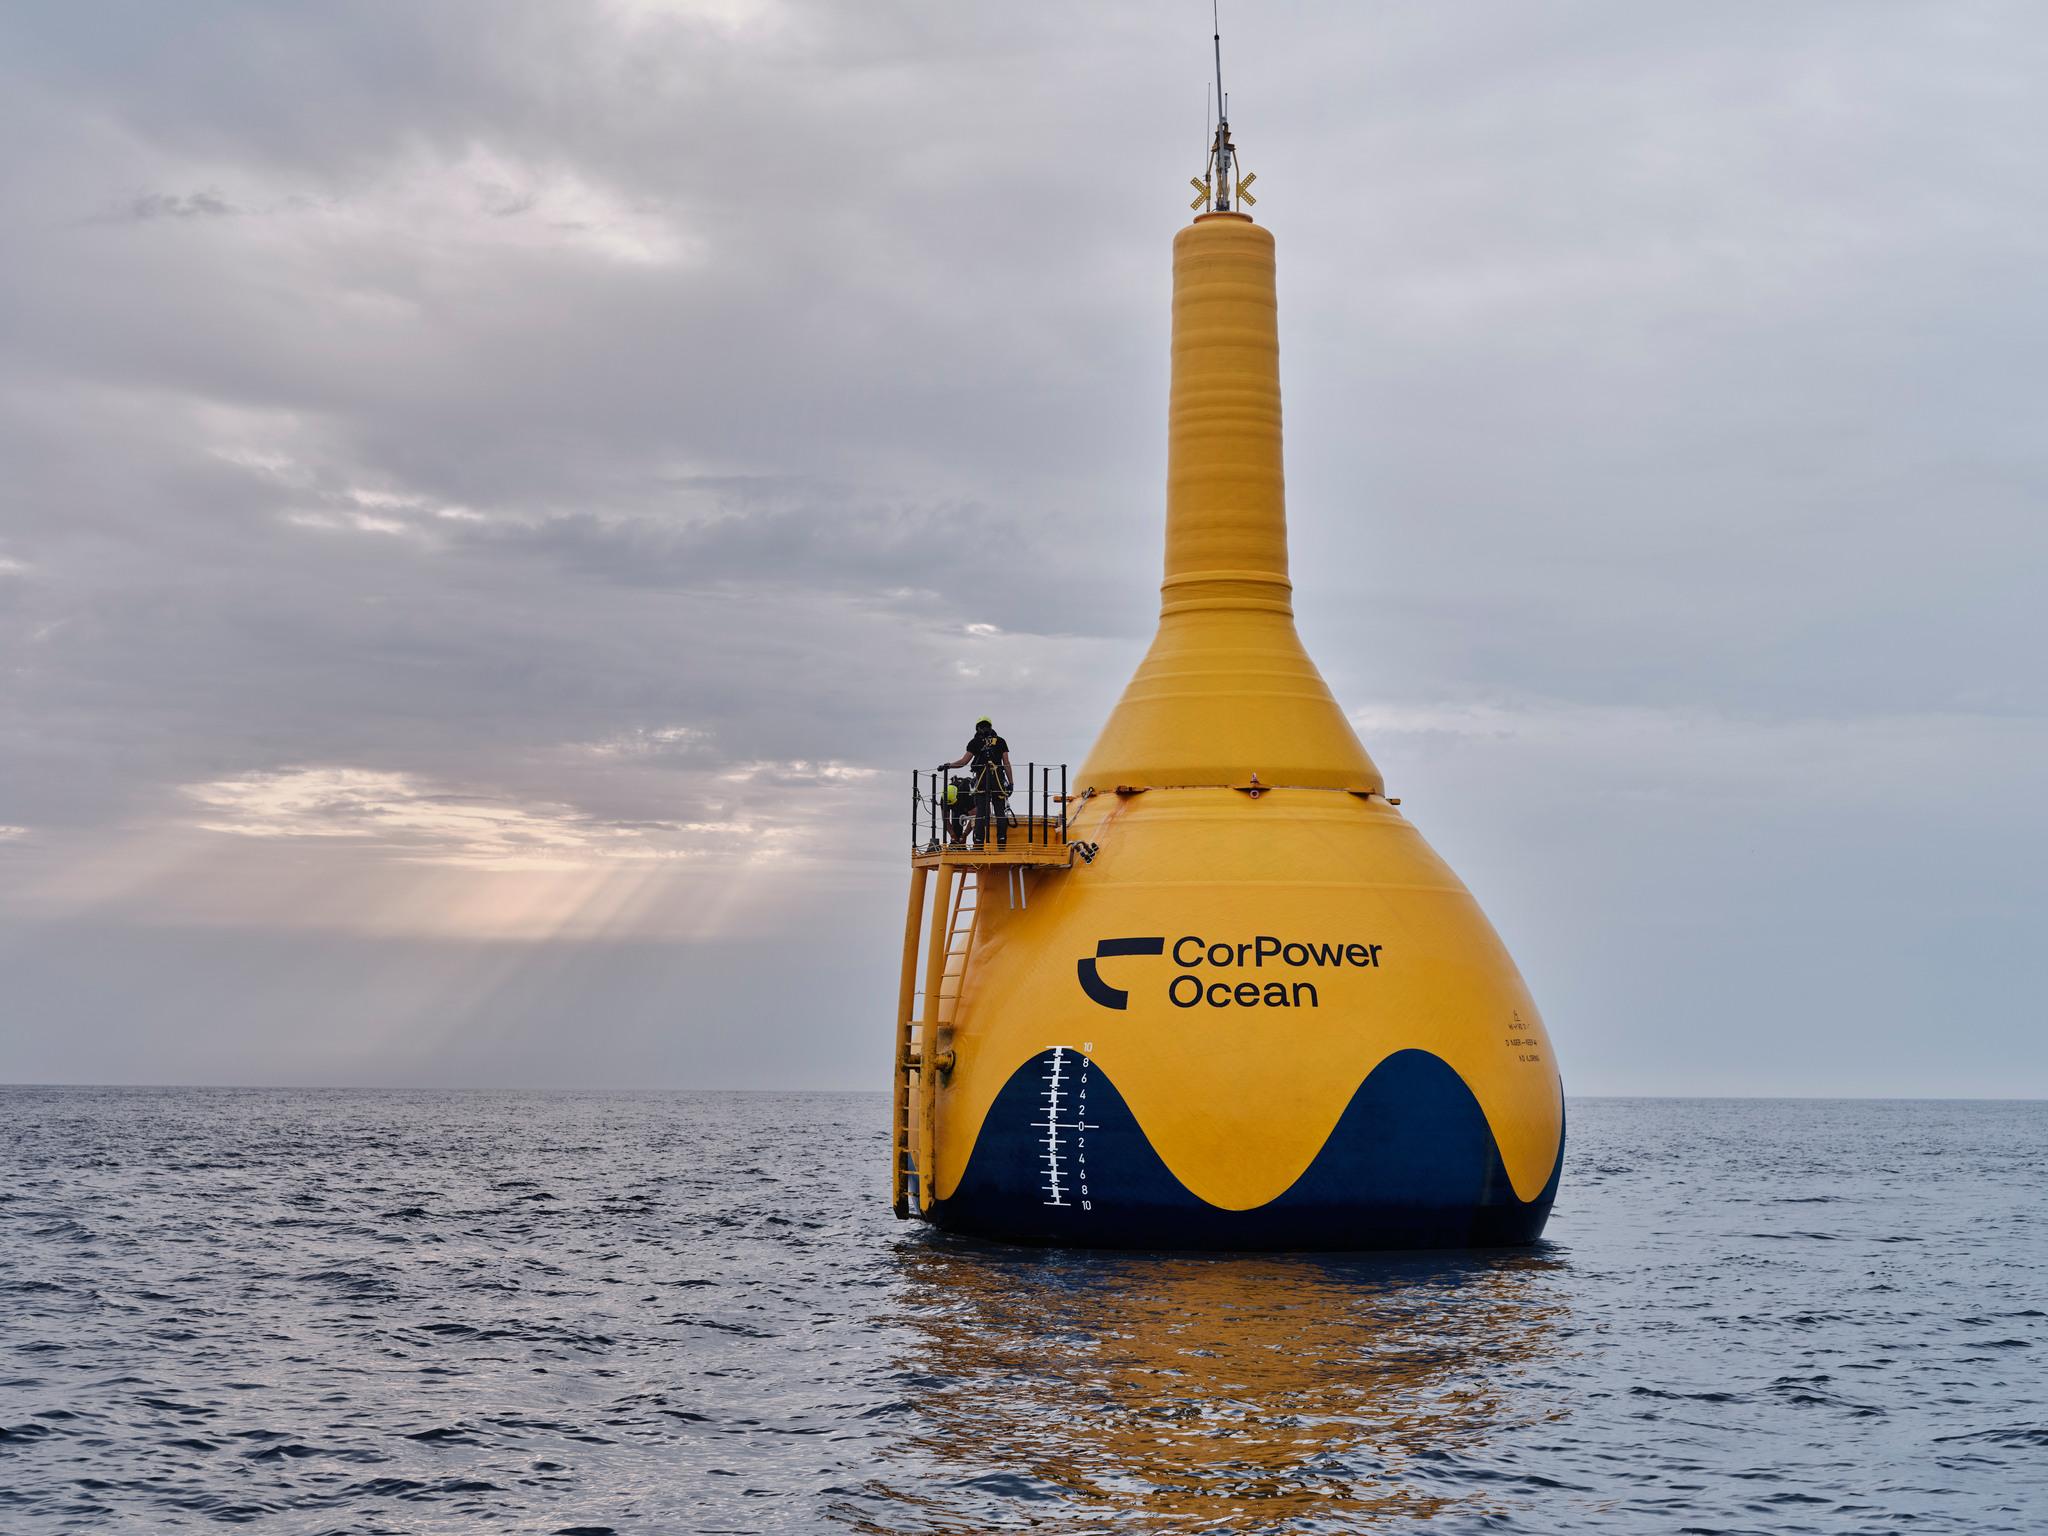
{"x": 935, "y": 826}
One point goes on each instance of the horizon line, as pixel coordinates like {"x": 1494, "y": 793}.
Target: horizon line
{"x": 1699, "y": 1098}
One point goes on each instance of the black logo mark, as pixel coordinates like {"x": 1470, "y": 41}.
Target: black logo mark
{"x": 1092, "y": 983}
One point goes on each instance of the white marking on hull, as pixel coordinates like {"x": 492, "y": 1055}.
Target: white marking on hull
{"x": 1055, "y": 1078}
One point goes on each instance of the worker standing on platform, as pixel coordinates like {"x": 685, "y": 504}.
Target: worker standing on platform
{"x": 991, "y": 778}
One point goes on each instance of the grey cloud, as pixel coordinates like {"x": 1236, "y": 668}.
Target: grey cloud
{"x": 629, "y": 410}
{"x": 950, "y": 562}
{"x": 179, "y": 205}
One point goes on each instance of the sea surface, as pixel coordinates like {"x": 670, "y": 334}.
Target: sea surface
{"x": 564, "y": 1312}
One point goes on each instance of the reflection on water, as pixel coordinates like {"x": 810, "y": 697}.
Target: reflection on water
{"x": 681, "y": 1313}
{"x": 1252, "y": 1392}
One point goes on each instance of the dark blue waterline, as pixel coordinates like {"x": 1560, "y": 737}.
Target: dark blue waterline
{"x": 1411, "y": 1163}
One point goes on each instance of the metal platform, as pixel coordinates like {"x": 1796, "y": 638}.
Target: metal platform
{"x": 1038, "y": 847}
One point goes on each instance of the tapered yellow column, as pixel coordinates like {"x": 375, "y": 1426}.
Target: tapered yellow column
{"x": 1226, "y": 690}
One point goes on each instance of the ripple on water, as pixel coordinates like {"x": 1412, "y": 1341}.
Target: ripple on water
{"x": 588, "y": 1313}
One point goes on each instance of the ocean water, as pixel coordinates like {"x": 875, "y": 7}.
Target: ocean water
{"x": 491, "y": 1312}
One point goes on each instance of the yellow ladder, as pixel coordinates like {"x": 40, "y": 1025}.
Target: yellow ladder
{"x": 959, "y": 940}
{"x": 945, "y": 951}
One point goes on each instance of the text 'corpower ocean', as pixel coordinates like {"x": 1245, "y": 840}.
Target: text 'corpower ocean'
{"x": 1199, "y": 960}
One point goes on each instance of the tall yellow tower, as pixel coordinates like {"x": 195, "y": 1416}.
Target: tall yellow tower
{"x": 1224, "y": 996}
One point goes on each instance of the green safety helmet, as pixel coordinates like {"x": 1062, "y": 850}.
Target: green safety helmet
{"x": 952, "y": 794}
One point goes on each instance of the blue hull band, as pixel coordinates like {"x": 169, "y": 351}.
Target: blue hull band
{"x": 1411, "y": 1163}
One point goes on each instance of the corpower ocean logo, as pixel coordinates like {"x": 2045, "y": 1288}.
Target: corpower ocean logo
{"x": 1216, "y": 975}
{"x": 1092, "y": 983}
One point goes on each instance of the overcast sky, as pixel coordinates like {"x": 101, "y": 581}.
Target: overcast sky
{"x": 496, "y": 495}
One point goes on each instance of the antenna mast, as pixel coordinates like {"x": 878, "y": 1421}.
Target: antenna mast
{"x": 1216, "y": 20}
{"x": 1213, "y": 188}
{"x": 1220, "y": 150}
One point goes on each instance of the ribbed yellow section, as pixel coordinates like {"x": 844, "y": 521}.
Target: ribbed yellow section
{"x": 1226, "y": 690}
{"x": 1226, "y": 501}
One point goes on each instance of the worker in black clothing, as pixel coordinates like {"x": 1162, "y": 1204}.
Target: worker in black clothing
{"x": 990, "y": 780}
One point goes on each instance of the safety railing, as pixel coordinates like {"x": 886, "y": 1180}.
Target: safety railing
{"x": 990, "y": 820}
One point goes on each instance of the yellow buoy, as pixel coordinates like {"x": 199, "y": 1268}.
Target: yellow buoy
{"x": 1257, "y": 1010}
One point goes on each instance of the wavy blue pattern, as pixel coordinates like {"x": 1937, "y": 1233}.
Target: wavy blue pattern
{"x": 1411, "y": 1163}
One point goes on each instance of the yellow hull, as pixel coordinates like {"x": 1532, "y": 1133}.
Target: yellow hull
{"x": 1305, "y": 938}
{"x": 1266, "y": 1014}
